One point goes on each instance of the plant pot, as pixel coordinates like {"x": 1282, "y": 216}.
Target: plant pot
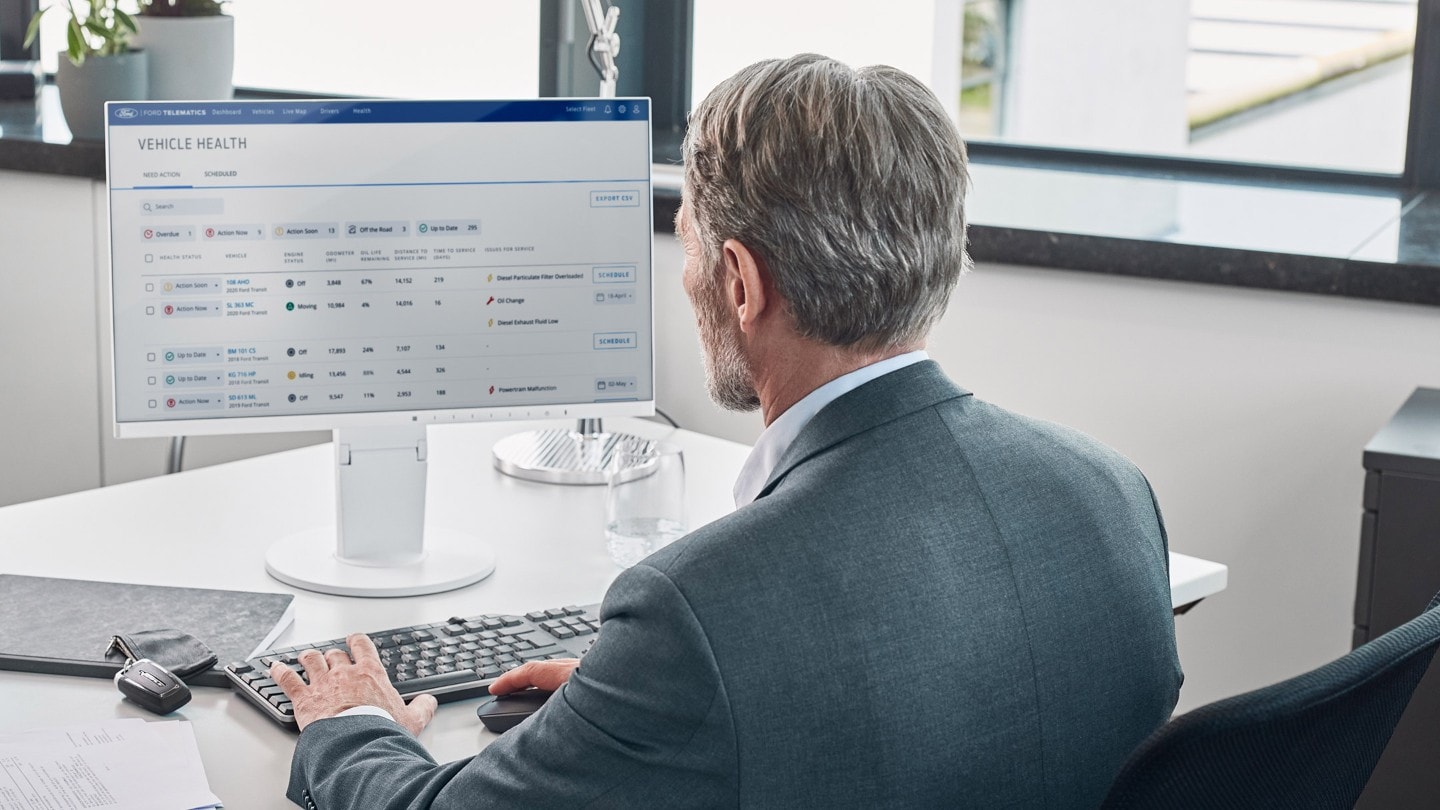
{"x": 191, "y": 58}
{"x": 85, "y": 89}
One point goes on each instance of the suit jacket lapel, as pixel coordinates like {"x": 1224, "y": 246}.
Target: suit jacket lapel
{"x": 882, "y": 400}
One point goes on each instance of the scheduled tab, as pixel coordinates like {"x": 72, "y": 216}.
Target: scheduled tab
{"x": 613, "y": 274}
{"x": 615, "y": 340}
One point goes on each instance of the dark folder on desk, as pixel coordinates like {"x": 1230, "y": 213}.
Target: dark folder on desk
{"x": 63, "y": 626}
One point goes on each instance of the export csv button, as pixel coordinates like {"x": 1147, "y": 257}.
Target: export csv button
{"x": 615, "y": 340}
{"x": 614, "y": 199}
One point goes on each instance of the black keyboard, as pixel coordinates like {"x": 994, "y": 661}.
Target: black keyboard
{"x": 454, "y": 659}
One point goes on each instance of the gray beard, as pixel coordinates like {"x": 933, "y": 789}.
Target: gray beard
{"x": 727, "y": 375}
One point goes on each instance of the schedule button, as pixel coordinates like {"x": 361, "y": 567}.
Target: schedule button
{"x": 613, "y": 274}
{"x": 615, "y": 340}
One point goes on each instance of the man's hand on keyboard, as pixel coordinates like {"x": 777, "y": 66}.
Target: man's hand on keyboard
{"x": 337, "y": 683}
{"x": 547, "y": 675}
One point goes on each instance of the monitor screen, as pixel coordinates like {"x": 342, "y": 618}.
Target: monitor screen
{"x": 295, "y": 265}
{"x": 374, "y": 267}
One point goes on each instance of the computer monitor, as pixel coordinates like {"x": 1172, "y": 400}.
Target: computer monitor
{"x": 374, "y": 267}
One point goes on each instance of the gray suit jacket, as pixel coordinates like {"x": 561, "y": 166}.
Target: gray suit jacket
{"x": 934, "y": 603}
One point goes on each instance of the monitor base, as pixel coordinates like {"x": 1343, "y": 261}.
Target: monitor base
{"x": 559, "y": 455}
{"x": 451, "y": 560}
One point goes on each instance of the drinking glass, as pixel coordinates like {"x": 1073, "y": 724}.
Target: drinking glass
{"x": 644, "y": 500}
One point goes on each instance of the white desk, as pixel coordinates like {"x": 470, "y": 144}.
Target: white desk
{"x": 209, "y": 528}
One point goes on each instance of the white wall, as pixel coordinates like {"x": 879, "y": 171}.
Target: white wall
{"x": 1247, "y": 409}
{"x": 47, "y": 328}
{"x": 1099, "y": 75}
{"x": 55, "y": 431}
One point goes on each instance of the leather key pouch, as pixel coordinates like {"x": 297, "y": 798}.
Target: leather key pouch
{"x": 181, "y": 653}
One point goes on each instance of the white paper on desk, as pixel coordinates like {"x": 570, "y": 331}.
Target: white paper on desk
{"x": 115, "y": 764}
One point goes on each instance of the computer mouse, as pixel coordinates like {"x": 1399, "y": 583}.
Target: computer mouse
{"x": 500, "y": 713}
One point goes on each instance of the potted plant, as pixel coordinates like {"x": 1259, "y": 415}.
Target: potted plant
{"x": 100, "y": 65}
{"x": 192, "y": 49}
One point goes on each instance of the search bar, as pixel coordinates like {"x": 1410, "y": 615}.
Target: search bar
{"x": 198, "y": 206}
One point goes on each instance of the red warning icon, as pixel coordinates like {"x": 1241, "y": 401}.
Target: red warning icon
{"x": 209, "y": 233}
{"x": 491, "y": 301}
{"x": 169, "y": 310}
{"x": 170, "y": 403}
{"x": 149, "y": 234}
{"x": 492, "y": 389}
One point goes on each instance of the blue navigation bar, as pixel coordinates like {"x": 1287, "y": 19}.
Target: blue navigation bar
{"x": 229, "y": 113}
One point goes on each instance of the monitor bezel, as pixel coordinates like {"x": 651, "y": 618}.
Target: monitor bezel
{"x": 287, "y": 423}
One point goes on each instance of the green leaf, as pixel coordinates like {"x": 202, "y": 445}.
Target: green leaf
{"x": 76, "y": 42}
{"x": 33, "y": 30}
{"x": 125, "y": 20}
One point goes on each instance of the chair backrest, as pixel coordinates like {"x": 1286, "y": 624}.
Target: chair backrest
{"x": 1308, "y": 742}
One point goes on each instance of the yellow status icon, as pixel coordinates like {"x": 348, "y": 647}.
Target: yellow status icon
{"x": 291, "y": 375}
{"x": 279, "y": 231}
{"x": 169, "y": 286}
{"x": 492, "y": 321}
{"x": 490, "y": 277}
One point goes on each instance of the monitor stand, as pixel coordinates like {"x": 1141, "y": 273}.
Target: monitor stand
{"x": 379, "y": 545}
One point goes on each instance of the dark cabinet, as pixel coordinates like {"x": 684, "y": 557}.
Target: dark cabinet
{"x": 1399, "y": 572}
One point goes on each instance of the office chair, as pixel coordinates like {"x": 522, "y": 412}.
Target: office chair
{"x": 1308, "y": 742}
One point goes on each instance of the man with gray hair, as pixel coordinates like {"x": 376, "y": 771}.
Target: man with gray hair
{"x": 921, "y": 599}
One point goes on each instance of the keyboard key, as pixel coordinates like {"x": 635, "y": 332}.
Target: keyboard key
{"x": 542, "y": 653}
{"x": 240, "y": 668}
{"x": 442, "y": 679}
{"x": 268, "y": 691}
{"x": 563, "y": 632}
{"x": 572, "y": 610}
{"x": 488, "y": 672}
{"x": 510, "y": 621}
{"x": 537, "y": 616}
{"x": 286, "y": 708}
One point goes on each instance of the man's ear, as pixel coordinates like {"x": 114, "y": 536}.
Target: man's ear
{"x": 745, "y": 284}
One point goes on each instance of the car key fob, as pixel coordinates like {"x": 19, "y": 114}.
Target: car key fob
{"x": 500, "y": 713}
{"x": 151, "y": 686}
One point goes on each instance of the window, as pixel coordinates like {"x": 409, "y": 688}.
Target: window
{"x": 1316, "y": 83}
{"x": 435, "y": 49}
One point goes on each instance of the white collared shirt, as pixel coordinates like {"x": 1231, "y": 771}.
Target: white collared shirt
{"x": 782, "y": 432}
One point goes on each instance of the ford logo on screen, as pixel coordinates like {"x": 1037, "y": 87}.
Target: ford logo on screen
{"x": 126, "y": 112}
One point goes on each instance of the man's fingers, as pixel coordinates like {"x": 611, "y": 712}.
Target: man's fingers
{"x": 314, "y": 663}
{"x": 286, "y": 678}
{"x": 419, "y": 713}
{"x": 547, "y": 675}
{"x": 336, "y": 657}
{"x": 363, "y": 649}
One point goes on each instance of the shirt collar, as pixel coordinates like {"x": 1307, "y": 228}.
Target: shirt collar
{"x": 777, "y": 438}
